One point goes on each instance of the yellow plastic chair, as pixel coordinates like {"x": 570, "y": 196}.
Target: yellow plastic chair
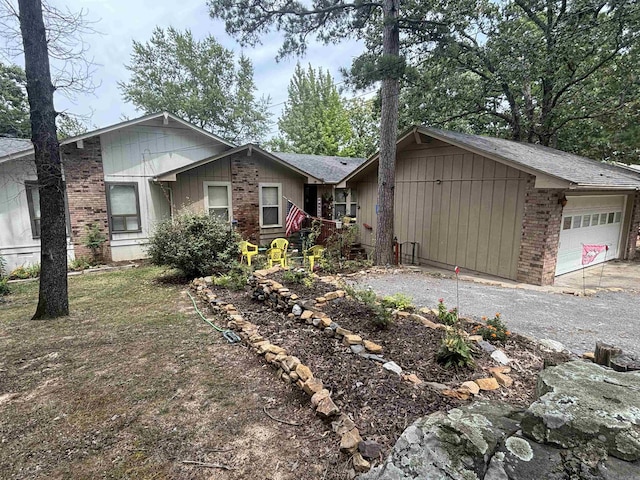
{"x": 282, "y": 244}
{"x": 317, "y": 251}
{"x": 276, "y": 255}
{"x": 248, "y": 250}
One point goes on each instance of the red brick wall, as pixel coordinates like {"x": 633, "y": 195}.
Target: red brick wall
{"x": 631, "y": 252}
{"x": 540, "y": 235}
{"x": 244, "y": 196}
{"x": 84, "y": 177}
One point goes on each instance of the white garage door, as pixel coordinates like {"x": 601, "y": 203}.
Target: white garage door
{"x": 589, "y": 220}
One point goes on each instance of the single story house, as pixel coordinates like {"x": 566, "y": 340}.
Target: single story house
{"x": 509, "y": 209}
{"x": 127, "y": 177}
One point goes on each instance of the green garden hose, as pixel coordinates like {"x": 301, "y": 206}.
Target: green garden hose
{"x": 228, "y": 334}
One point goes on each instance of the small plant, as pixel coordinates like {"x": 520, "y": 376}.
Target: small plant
{"x": 235, "y": 279}
{"x": 494, "y": 331}
{"x": 79, "y": 263}
{"x": 454, "y": 350}
{"x": 24, "y": 272}
{"x": 93, "y": 240}
{"x": 448, "y": 317}
{"x": 300, "y": 277}
{"x": 4, "y": 280}
{"x": 382, "y": 316}
{"x": 399, "y": 301}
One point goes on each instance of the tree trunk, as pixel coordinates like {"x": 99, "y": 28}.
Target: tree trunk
{"x": 53, "y": 298}
{"x": 388, "y": 134}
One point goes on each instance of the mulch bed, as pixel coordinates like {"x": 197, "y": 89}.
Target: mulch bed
{"x": 381, "y": 403}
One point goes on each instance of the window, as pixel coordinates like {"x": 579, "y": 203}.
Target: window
{"x": 594, "y": 219}
{"x": 566, "y": 224}
{"x": 33, "y": 200}
{"x": 577, "y": 221}
{"x": 270, "y": 195}
{"x": 340, "y": 203}
{"x": 124, "y": 208}
{"x": 603, "y": 218}
{"x": 353, "y": 205}
{"x": 610, "y": 217}
{"x": 618, "y": 216}
{"x": 586, "y": 220}
{"x": 217, "y": 200}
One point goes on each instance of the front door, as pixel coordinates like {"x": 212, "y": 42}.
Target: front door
{"x": 311, "y": 199}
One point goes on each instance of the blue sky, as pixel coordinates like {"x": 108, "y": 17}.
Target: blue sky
{"x": 121, "y": 21}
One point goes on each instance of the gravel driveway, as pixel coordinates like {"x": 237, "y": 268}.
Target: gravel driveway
{"x": 576, "y": 322}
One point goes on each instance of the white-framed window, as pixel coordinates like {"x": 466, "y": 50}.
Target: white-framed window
{"x": 353, "y": 203}
{"x": 217, "y": 200}
{"x": 124, "y": 207}
{"x": 33, "y": 203}
{"x": 345, "y": 203}
{"x": 270, "y": 204}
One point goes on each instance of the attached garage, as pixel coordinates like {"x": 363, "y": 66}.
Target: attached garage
{"x": 509, "y": 209}
{"x": 590, "y": 220}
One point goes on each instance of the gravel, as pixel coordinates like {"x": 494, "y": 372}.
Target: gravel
{"x": 576, "y": 322}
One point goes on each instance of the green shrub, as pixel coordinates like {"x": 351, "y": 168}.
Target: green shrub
{"x": 79, "y": 263}
{"x": 235, "y": 279}
{"x": 454, "y": 350}
{"x": 4, "y": 286}
{"x": 301, "y": 277}
{"x": 196, "y": 244}
{"x": 448, "y": 317}
{"x": 494, "y": 331}
{"x": 399, "y": 301}
{"x": 93, "y": 240}
{"x": 24, "y": 272}
{"x": 382, "y": 316}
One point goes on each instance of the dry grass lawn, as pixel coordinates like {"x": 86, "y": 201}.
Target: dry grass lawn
{"x": 133, "y": 383}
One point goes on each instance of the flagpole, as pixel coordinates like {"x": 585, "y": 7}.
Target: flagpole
{"x": 606, "y": 250}
{"x": 584, "y": 290}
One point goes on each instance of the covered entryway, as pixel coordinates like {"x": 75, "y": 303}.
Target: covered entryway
{"x": 589, "y": 220}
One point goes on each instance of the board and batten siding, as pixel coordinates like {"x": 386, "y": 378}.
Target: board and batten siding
{"x": 188, "y": 189}
{"x": 139, "y": 153}
{"x": 462, "y": 209}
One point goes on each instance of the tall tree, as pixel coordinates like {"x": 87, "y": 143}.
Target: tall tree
{"x": 196, "y": 80}
{"x": 529, "y": 70}
{"x": 314, "y": 119}
{"x": 53, "y": 295}
{"x": 14, "y": 106}
{"x": 331, "y": 21}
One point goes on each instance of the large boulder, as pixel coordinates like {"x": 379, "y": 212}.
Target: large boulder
{"x": 580, "y": 403}
{"x": 585, "y": 416}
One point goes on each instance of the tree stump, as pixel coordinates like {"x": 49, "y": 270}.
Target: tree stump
{"x": 624, "y": 363}
{"x": 604, "y": 353}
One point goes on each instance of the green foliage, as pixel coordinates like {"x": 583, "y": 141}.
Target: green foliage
{"x": 235, "y": 279}
{"x": 198, "y": 81}
{"x": 70, "y": 126}
{"x": 79, "y": 263}
{"x": 530, "y": 71}
{"x": 337, "y": 250}
{"x": 14, "y": 106}
{"x": 94, "y": 239}
{"x": 399, "y": 301}
{"x": 4, "y": 280}
{"x": 454, "y": 350}
{"x": 494, "y": 331}
{"x": 301, "y": 277}
{"x": 23, "y": 272}
{"x": 448, "y": 317}
{"x": 382, "y": 316}
{"x": 196, "y": 244}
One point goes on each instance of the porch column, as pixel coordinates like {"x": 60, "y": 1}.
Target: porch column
{"x": 244, "y": 196}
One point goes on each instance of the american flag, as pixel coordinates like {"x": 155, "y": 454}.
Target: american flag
{"x": 294, "y": 218}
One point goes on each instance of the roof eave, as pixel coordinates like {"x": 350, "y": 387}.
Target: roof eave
{"x": 596, "y": 186}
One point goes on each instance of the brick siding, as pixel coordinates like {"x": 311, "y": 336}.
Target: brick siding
{"x": 540, "y": 235}
{"x": 86, "y": 195}
{"x": 631, "y": 252}
{"x": 244, "y": 196}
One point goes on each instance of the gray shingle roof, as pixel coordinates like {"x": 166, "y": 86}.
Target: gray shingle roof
{"x": 567, "y": 166}
{"x": 328, "y": 168}
{"x": 10, "y": 145}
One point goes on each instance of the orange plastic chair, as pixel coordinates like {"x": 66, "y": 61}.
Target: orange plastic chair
{"x": 276, "y": 255}
{"x": 248, "y": 250}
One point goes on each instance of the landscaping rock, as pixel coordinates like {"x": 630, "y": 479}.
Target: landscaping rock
{"x": 342, "y": 425}
{"x": 325, "y": 322}
{"x": 581, "y": 402}
{"x": 460, "y": 393}
{"x": 370, "y": 449}
{"x": 303, "y": 372}
{"x": 589, "y": 356}
{"x": 276, "y": 350}
{"x": 343, "y": 331}
{"x": 503, "y": 379}
{"x": 359, "y": 463}
{"x": 296, "y": 310}
{"x": 329, "y": 332}
{"x": 350, "y": 440}
{"x": 330, "y": 296}
{"x": 487, "y": 383}
{"x": 326, "y": 408}
{"x": 318, "y": 396}
{"x": 500, "y": 357}
{"x": 486, "y": 346}
{"x": 352, "y": 340}
{"x": 392, "y": 367}
{"x": 357, "y": 349}
{"x": 412, "y": 378}
{"x": 290, "y": 363}
{"x": 306, "y": 315}
{"x": 551, "y": 345}
{"x": 475, "y": 338}
{"x": 312, "y": 386}
{"x": 321, "y": 300}
{"x": 316, "y": 322}
{"x": 372, "y": 347}
{"x": 471, "y": 386}
{"x": 375, "y": 358}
